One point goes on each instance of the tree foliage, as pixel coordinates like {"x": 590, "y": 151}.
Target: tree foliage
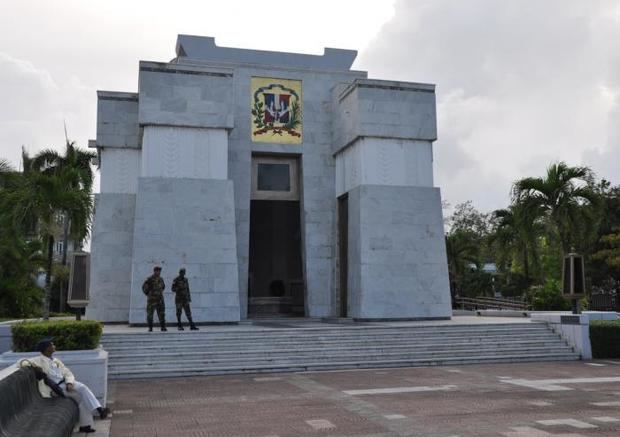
{"x": 463, "y": 252}
{"x": 566, "y": 195}
{"x": 611, "y": 253}
{"x": 19, "y": 258}
{"x": 548, "y": 216}
{"x": 30, "y": 204}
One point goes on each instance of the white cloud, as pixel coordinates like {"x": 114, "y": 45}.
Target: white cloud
{"x": 520, "y": 83}
{"x": 56, "y": 54}
{"x": 34, "y": 108}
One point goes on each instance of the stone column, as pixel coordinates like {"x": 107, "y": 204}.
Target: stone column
{"x": 185, "y": 217}
{"x": 383, "y": 147}
{"x": 185, "y": 212}
{"x": 119, "y": 152}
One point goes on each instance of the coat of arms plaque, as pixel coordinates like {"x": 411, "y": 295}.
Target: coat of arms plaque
{"x": 276, "y": 110}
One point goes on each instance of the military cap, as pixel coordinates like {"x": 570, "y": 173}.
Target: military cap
{"x": 42, "y": 345}
{"x": 156, "y": 268}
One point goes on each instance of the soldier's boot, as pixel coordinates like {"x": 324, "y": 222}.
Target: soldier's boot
{"x": 150, "y": 323}
{"x": 163, "y": 326}
{"x": 179, "y": 324}
{"x": 192, "y": 327}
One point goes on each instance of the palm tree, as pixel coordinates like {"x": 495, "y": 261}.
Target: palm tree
{"x": 5, "y": 167}
{"x": 517, "y": 232}
{"x": 39, "y": 196}
{"x": 561, "y": 194}
{"x": 462, "y": 251}
{"x": 75, "y": 168}
{"x": 20, "y": 260}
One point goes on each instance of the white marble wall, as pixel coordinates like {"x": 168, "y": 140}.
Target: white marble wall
{"x": 183, "y": 222}
{"x": 185, "y": 95}
{"x": 180, "y": 152}
{"x": 117, "y": 120}
{"x": 576, "y": 334}
{"x": 120, "y": 169}
{"x": 384, "y": 161}
{"x": 111, "y": 255}
{"x": 383, "y": 109}
{"x": 397, "y": 254}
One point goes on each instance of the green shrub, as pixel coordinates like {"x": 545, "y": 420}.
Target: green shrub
{"x": 68, "y": 335}
{"x": 548, "y": 297}
{"x": 605, "y": 338}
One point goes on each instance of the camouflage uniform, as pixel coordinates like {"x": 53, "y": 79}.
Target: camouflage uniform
{"x": 182, "y": 298}
{"x": 153, "y": 288}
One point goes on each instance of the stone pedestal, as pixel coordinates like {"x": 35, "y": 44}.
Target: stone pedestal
{"x": 187, "y": 223}
{"x": 112, "y": 247}
{"x": 397, "y": 254}
{"x": 89, "y": 367}
{"x": 397, "y": 263}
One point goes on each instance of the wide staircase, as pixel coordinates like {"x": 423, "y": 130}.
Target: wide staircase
{"x": 254, "y": 349}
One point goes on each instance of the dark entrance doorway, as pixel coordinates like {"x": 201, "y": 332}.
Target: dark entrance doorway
{"x": 275, "y": 282}
{"x": 343, "y": 252}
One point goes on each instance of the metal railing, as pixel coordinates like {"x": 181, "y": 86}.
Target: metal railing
{"x": 490, "y": 303}
{"x": 604, "y": 302}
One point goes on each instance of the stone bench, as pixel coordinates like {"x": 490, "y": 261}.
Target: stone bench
{"x": 24, "y": 412}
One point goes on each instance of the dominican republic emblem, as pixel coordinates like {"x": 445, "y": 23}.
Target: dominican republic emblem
{"x": 276, "y": 110}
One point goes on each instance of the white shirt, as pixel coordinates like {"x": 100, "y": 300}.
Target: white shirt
{"x": 55, "y": 372}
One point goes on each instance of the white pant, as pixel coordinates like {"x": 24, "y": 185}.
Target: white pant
{"x": 86, "y": 400}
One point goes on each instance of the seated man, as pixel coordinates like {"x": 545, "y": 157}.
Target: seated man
{"x": 58, "y": 374}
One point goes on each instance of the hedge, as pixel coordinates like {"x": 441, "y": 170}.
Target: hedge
{"x": 605, "y": 338}
{"x": 68, "y": 335}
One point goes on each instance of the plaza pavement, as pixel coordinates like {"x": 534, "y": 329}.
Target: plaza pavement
{"x": 507, "y": 400}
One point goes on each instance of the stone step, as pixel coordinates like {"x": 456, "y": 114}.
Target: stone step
{"x": 334, "y": 353}
{"x": 166, "y": 337}
{"x": 475, "y": 340}
{"x": 257, "y": 350}
{"x": 215, "y": 330}
{"x": 157, "y": 337}
{"x": 284, "y": 357}
{"x": 324, "y": 332}
{"x": 145, "y": 372}
{"x": 148, "y": 352}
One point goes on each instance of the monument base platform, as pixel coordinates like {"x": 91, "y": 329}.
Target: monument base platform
{"x": 298, "y": 344}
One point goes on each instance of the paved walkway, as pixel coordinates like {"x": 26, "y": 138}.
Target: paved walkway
{"x": 510, "y": 400}
{"x": 102, "y": 429}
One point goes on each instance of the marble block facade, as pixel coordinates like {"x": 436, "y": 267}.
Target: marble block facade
{"x": 224, "y": 152}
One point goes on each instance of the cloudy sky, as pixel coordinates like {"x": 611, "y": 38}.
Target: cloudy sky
{"x": 520, "y": 83}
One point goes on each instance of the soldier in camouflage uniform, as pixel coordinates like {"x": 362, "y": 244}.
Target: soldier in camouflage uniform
{"x": 182, "y": 298}
{"x": 153, "y": 288}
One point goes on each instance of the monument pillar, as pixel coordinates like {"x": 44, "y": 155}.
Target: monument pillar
{"x": 396, "y": 256}
{"x": 185, "y": 212}
{"x": 118, "y": 147}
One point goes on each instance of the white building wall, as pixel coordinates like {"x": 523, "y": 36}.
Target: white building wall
{"x": 180, "y": 152}
{"x": 384, "y": 161}
{"x": 120, "y": 169}
{"x": 185, "y": 217}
